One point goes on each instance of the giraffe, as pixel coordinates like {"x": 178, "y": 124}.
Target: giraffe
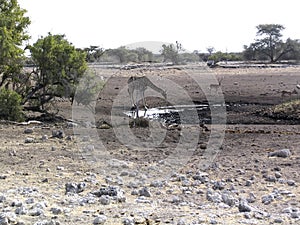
{"x": 138, "y": 85}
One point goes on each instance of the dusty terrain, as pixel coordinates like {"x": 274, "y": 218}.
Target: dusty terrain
{"x": 84, "y": 174}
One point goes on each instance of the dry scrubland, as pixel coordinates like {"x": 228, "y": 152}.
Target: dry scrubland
{"x": 51, "y": 175}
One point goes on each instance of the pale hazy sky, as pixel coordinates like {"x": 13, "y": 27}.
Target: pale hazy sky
{"x": 223, "y": 24}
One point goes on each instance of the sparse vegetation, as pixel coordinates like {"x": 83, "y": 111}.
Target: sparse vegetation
{"x": 288, "y": 110}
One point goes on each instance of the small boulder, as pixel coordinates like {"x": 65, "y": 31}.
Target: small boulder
{"x": 284, "y": 153}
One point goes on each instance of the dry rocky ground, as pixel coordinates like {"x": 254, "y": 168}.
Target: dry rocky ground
{"x": 62, "y": 172}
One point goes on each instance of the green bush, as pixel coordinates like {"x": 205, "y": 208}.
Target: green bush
{"x": 10, "y": 105}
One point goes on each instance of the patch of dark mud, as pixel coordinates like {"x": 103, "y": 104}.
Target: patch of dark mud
{"x": 47, "y": 118}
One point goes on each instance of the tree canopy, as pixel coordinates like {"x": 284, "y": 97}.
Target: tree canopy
{"x": 171, "y": 52}
{"x": 269, "y": 44}
{"x": 13, "y": 32}
{"x": 59, "y": 67}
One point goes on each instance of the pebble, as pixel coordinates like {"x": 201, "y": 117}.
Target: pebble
{"x": 104, "y": 200}
{"x": 267, "y": 199}
{"x": 29, "y": 140}
{"x": 271, "y": 178}
{"x": 44, "y": 137}
{"x": 21, "y": 210}
{"x": 28, "y": 131}
{"x": 213, "y": 196}
{"x": 75, "y": 187}
{"x": 228, "y": 199}
{"x": 58, "y": 134}
{"x": 244, "y": 206}
{"x": 101, "y": 219}
{"x": 128, "y": 221}
{"x": 278, "y": 220}
{"x": 278, "y": 175}
{"x": 36, "y": 212}
{"x": 3, "y": 219}
{"x": 284, "y": 153}
{"x": 144, "y": 192}
{"x": 291, "y": 182}
{"x": 56, "y": 211}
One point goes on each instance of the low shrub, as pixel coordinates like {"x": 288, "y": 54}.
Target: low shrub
{"x": 10, "y": 105}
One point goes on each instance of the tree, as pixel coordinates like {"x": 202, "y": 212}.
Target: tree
{"x": 144, "y": 55}
{"x": 122, "y": 54}
{"x": 210, "y": 50}
{"x": 59, "y": 69}
{"x": 93, "y": 53}
{"x": 13, "y": 25}
{"x": 269, "y": 43}
{"x": 171, "y": 52}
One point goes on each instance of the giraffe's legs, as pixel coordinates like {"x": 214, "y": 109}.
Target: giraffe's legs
{"x": 144, "y": 104}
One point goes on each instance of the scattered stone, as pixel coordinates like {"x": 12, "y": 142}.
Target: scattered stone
{"x": 228, "y": 199}
{"x": 295, "y": 215}
{"x": 157, "y": 184}
{"x": 71, "y": 124}
{"x": 58, "y": 134}
{"x": 284, "y": 153}
{"x": 36, "y": 212}
{"x": 104, "y": 200}
{"x": 291, "y": 182}
{"x": 70, "y": 138}
{"x": 46, "y": 222}
{"x": 85, "y": 138}
{"x": 3, "y": 177}
{"x": 60, "y": 168}
{"x": 247, "y": 215}
{"x": 144, "y": 192}
{"x": 213, "y": 196}
{"x": 218, "y": 185}
{"x": 89, "y": 148}
{"x": 29, "y": 140}
{"x": 115, "y": 192}
{"x": 248, "y": 183}
{"x": 278, "y": 175}
{"x": 181, "y": 222}
{"x": 16, "y": 203}
{"x": 21, "y": 210}
{"x": 244, "y": 206}
{"x": 56, "y": 211}
{"x": 2, "y": 198}
{"x": 101, "y": 219}
{"x": 3, "y": 219}
{"x": 29, "y": 201}
{"x": 28, "y": 131}
{"x": 44, "y": 137}
{"x": 251, "y": 198}
{"x": 278, "y": 220}
{"x": 271, "y": 178}
{"x": 128, "y": 221}
{"x": 267, "y": 199}
{"x": 134, "y": 192}
{"x": 74, "y": 187}
{"x": 201, "y": 176}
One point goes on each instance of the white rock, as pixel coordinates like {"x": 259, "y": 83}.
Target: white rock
{"x": 101, "y": 219}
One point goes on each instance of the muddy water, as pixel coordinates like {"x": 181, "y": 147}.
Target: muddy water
{"x": 180, "y": 114}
